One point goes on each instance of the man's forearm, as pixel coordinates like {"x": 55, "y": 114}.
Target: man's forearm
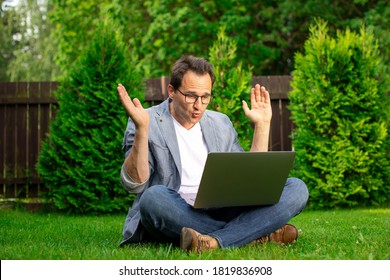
{"x": 260, "y": 139}
{"x": 136, "y": 163}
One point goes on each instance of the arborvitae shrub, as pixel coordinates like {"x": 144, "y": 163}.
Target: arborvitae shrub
{"x": 232, "y": 85}
{"x": 81, "y": 158}
{"x": 340, "y": 108}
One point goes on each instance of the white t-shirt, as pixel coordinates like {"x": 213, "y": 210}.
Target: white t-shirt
{"x": 193, "y": 154}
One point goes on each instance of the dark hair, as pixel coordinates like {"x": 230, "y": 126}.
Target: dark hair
{"x": 190, "y": 63}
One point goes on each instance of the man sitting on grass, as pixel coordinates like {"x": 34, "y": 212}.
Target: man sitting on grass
{"x": 165, "y": 151}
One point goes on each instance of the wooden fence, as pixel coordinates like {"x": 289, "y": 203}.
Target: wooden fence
{"x": 27, "y": 108}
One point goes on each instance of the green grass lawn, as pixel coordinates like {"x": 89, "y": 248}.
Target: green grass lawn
{"x": 361, "y": 234}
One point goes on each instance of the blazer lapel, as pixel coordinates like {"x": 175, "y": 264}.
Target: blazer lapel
{"x": 167, "y": 129}
{"x": 209, "y": 133}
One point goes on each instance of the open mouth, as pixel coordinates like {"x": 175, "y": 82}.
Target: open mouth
{"x": 196, "y": 115}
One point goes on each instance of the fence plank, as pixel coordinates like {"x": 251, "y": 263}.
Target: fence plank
{"x": 9, "y": 142}
{"x": 286, "y": 129}
{"x": 3, "y": 146}
{"x": 27, "y": 109}
{"x": 156, "y": 90}
{"x": 275, "y": 140}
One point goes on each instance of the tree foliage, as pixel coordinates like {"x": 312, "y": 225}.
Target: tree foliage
{"x": 340, "y": 107}
{"x": 7, "y": 30}
{"x": 232, "y": 85}
{"x": 82, "y": 156}
{"x": 75, "y": 25}
{"x": 29, "y": 50}
{"x": 268, "y": 33}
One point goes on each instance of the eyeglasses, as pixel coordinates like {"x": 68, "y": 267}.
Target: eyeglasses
{"x": 192, "y": 98}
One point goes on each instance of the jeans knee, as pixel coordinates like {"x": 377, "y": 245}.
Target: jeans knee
{"x": 300, "y": 190}
{"x": 149, "y": 198}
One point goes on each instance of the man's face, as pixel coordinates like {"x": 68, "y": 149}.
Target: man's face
{"x": 193, "y": 85}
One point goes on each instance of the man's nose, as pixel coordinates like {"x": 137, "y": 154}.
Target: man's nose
{"x": 198, "y": 101}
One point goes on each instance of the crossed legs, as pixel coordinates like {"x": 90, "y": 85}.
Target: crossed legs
{"x": 164, "y": 213}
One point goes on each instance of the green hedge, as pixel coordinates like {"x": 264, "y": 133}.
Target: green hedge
{"x": 340, "y": 109}
{"x": 81, "y": 159}
{"x": 232, "y": 85}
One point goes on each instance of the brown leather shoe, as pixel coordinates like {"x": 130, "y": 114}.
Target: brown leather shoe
{"x": 191, "y": 240}
{"x": 285, "y": 235}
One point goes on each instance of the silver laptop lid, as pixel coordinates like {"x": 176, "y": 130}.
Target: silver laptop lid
{"x": 243, "y": 178}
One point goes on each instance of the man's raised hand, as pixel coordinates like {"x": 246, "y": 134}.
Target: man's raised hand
{"x": 133, "y": 108}
{"x": 261, "y": 111}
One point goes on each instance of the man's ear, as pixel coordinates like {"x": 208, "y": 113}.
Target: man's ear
{"x": 171, "y": 91}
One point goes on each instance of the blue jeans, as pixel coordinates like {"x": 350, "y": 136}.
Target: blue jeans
{"x": 164, "y": 213}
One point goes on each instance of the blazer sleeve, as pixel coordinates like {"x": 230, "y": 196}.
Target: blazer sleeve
{"x": 127, "y": 182}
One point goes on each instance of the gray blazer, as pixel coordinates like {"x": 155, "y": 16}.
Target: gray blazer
{"x": 164, "y": 155}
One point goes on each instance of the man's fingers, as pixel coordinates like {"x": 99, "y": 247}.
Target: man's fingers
{"x": 265, "y": 95}
{"x": 137, "y": 103}
{"x": 121, "y": 90}
{"x": 258, "y": 89}
{"x": 253, "y": 96}
{"x": 245, "y": 107}
{"x": 124, "y": 96}
{"x": 259, "y": 94}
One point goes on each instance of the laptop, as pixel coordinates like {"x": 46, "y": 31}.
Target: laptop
{"x": 243, "y": 178}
